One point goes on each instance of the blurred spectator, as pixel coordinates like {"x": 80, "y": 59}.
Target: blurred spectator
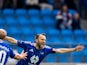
{"x": 64, "y": 18}
{"x": 82, "y": 6}
{"x": 71, "y": 4}
{"x": 76, "y": 22}
{"x": 14, "y": 3}
{"x": 45, "y": 5}
{"x": 57, "y": 4}
{"x": 32, "y": 4}
{"x": 1, "y": 4}
{"x": 7, "y": 3}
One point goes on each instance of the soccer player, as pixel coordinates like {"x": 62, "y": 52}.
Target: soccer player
{"x": 38, "y": 50}
{"x": 6, "y": 51}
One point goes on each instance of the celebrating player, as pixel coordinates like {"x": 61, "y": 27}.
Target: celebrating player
{"x": 38, "y": 51}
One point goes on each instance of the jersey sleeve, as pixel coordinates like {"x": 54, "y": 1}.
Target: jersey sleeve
{"x": 49, "y": 50}
{"x": 12, "y": 54}
{"x": 23, "y": 44}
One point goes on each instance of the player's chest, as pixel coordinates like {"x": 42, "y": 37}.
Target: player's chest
{"x": 39, "y": 53}
{"x": 35, "y": 56}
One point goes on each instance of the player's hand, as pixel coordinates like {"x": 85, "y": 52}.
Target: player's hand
{"x": 79, "y": 48}
{"x": 23, "y": 55}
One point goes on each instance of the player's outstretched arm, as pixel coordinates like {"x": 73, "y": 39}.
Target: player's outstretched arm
{"x": 21, "y": 56}
{"x": 65, "y": 50}
{"x": 10, "y": 39}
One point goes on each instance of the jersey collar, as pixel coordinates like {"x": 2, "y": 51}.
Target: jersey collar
{"x": 1, "y": 41}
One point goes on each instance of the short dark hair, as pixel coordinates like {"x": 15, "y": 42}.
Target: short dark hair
{"x": 36, "y": 37}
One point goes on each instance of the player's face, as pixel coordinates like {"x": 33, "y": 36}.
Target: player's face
{"x": 41, "y": 40}
{"x": 64, "y": 8}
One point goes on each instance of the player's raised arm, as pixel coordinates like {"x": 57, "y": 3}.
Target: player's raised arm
{"x": 10, "y": 39}
{"x": 65, "y": 50}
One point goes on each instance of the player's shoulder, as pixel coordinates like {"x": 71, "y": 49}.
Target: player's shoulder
{"x": 5, "y": 47}
{"x": 28, "y": 42}
{"x": 25, "y": 42}
{"x": 4, "y": 44}
{"x": 47, "y": 47}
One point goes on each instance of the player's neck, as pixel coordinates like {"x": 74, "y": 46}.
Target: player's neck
{"x": 38, "y": 46}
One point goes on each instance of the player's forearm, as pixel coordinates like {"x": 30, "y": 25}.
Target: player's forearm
{"x": 65, "y": 50}
{"x": 11, "y": 40}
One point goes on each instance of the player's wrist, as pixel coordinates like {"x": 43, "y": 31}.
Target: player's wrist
{"x": 75, "y": 49}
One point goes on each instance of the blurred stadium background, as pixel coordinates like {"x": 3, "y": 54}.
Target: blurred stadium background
{"x": 23, "y": 23}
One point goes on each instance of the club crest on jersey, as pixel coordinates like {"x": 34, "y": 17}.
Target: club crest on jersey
{"x": 34, "y": 59}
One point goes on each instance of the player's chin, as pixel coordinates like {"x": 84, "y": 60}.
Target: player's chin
{"x": 2, "y": 37}
{"x": 43, "y": 44}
